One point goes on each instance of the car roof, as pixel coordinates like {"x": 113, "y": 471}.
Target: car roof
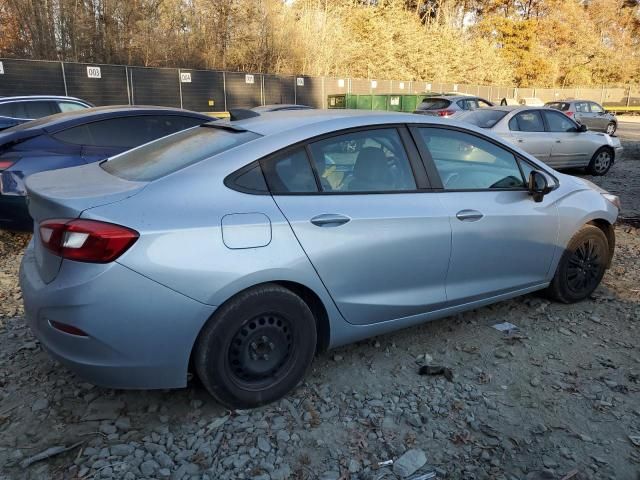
{"x": 270, "y": 123}
{"x": 513, "y": 108}
{"x": 55, "y": 122}
{"x": 450, "y": 97}
{"x": 280, "y": 106}
{"x": 572, "y": 100}
{"x": 39, "y": 97}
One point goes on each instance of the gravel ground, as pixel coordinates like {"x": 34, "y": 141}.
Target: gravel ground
{"x": 557, "y": 399}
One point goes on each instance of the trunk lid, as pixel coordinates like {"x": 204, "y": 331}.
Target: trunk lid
{"x": 66, "y": 193}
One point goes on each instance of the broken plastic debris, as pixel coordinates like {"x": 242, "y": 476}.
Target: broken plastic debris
{"x": 436, "y": 370}
{"x": 386, "y": 463}
{"x": 505, "y": 327}
{"x": 425, "y": 476}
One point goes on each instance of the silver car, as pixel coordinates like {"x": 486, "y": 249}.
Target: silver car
{"x": 550, "y": 136}
{"x": 449, "y": 105}
{"x": 242, "y": 249}
{"x": 588, "y": 113}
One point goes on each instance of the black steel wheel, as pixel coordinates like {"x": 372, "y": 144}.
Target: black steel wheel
{"x": 257, "y": 347}
{"x": 584, "y": 267}
{"x": 581, "y": 266}
{"x": 260, "y": 348}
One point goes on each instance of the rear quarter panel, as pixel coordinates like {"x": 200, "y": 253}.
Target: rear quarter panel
{"x": 182, "y": 244}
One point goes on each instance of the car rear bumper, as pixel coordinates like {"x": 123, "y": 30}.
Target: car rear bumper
{"x": 139, "y": 333}
{"x": 14, "y": 214}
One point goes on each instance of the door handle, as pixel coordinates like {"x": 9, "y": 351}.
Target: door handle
{"x": 558, "y": 141}
{"x": 469, "y": 215}
{"x": 330, "y": 220}
{"x": 521, "y": 140}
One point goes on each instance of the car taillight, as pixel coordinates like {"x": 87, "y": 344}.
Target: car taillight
{"x": 569, "y": 114}
{"x": 86, "y": 240}
{"x": 4, "y": 164}
{"x": 445, "y": 113}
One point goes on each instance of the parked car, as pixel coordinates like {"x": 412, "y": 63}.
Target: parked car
{"x": 76, "y": 138}
{"x": 243, "y": 248}
{"x": 550, "y": 136}
{"x": 531, "y": 102}
{"x": 588, "y": 113}
{"x": 448, "y": 105}
{"x": 278, "y": 107}
{"x": 16, "y": 110}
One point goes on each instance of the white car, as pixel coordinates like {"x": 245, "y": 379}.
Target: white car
{"x": 550, "y": 136}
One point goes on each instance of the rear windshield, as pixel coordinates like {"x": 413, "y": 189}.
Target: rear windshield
{"x": 558, "y": 106}
{"x": 483, "y": 118}
{"x": 169, "y": 154}
{"x": 434, "y": 104}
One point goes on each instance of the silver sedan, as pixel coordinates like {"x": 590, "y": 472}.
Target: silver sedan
{"x": 550, "y": 136}
{"x": 240, "y": 249}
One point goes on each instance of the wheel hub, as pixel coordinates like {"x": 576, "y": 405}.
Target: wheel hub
{"x": 584, "y": 267}
{"x": 260, "y": 348}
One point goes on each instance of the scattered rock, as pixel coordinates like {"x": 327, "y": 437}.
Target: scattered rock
{"x": 409, "y": 463}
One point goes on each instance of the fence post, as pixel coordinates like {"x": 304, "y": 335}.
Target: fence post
{"x": 180, "y": 85}
{"x": 295, "y": 89}
{"x": 324, "y": 100}
{"x": 224, "y": 89}
{"x": 262, "y": 89}
{"x": 64, "y": 79}
{"x": 133, "y": 99}
{"x": 126, "y": 74}
{"x": 629, "y": 96}
{"x": 602, "y": 95}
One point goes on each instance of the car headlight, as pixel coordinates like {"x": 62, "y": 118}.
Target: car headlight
{"x": 613, "y": 199}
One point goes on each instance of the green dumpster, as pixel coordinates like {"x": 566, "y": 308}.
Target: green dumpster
{"x": 379, "y": 102}
{"x": 392, "y": 102}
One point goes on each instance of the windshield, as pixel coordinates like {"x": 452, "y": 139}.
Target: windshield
{"x": 558, "y": 106}
{"x": 434, "y": 104}
{"x": 483, "y": 118}
{"x": 169, "y": 154}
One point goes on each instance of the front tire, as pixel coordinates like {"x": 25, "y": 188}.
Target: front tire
{"x": 581, "y": 266}
{"x": 611, "y": 128}
{"x": 257, "y": 347}
{"x": 600, "y": 162}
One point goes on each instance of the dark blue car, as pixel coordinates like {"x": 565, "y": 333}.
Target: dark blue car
{"x": 76, "y": 138}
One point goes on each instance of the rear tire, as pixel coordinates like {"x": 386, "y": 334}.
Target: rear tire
{"x": 611, "y": 128}
{"x": 581, "y": 266}
{"x": 257, "y": 347}
{"x": 601, "y": 162}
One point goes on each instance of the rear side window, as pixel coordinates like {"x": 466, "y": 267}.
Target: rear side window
{"x": 127, "y": 131}
{"x": 582, "y": 107}
{"x": 290, "y": 172}
{"x": 558, "y": 106}
{"x": 171, "y": 154}
{"x": 434, "y": 104}
{"x": 529, "y": 121}
{"x": 70, "y": 106}
{"x": 7, "y": 110}
{"x": 40, "y": 109}
{"x": 366, "y": 161}
{"x": 77, "y": 135}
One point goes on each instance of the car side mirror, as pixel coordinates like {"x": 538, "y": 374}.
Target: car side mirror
{"x": 582, "y": 128}
{"x": 538, "y": 185}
